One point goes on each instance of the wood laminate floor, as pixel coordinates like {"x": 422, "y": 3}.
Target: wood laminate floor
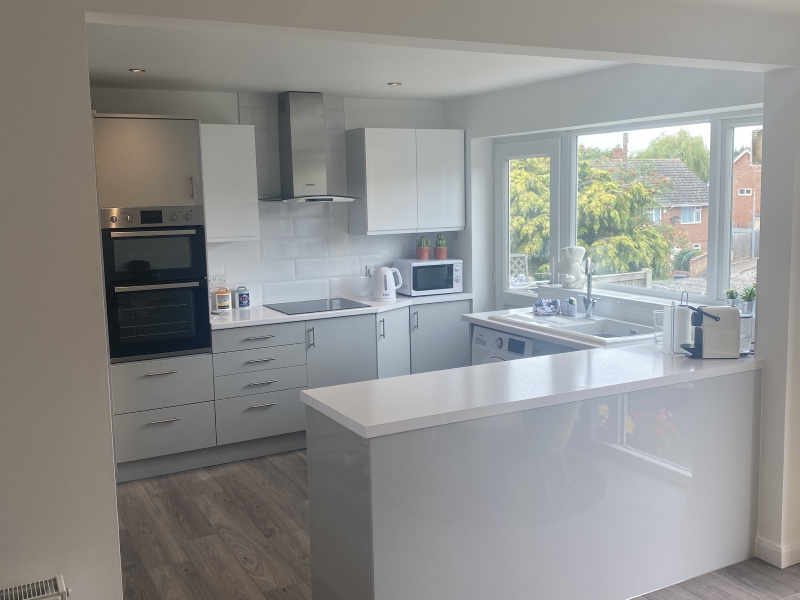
{"x": 240, "y": 532}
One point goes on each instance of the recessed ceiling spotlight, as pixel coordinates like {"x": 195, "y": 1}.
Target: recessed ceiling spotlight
{"x": 137, "y": 70}
{"x": 394, "y": 83}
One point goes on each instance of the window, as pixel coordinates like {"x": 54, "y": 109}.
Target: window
{"x": 696, "y": 246}
{"x": 625, "y": 177}
{"x": 745, "y": 191}
{"x": 744, "y": 207}
{"x": 691, "y": 215}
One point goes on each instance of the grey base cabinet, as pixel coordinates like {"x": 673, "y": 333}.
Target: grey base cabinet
{"x": 439, "y": 338}
{"x": 541, "y": 348}
{"x": 394, "y": 343}
{"x": 341, "y": 350}
{"x": 259, "y": 416}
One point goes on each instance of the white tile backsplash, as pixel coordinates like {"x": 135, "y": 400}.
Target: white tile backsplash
{"x": 304, "y": 251}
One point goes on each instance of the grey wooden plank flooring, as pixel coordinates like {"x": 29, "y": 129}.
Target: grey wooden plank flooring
{"x": 240, "y": 532}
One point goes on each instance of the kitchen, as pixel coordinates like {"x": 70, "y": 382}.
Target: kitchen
{"x": 279, "y": 254}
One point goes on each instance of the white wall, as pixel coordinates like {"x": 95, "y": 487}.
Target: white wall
{"x": 601, "y": 97}
{"x": 305, "y": 250}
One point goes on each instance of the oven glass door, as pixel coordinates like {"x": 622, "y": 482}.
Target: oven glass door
{"x": 430, "y": 278}
{"x": 149, "y": 255}
{"x": 156, "y": 320}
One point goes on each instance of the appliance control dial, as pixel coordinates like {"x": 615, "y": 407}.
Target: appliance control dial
{"x": 173, "y": 216}
{"x": 188, "y": 216}
{"x": 129, "y": 218}
{"x": 458, "y": 278}
{"x": 113, "y": 218}
{"x": 498, "y": 343}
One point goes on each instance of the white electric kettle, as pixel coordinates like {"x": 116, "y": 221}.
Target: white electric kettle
{"x": 386, "y": 283}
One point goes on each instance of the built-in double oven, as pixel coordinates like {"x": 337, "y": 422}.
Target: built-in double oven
{"x": 154, "y": 262}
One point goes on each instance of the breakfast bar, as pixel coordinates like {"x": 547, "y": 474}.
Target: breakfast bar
{"x": 497, "y": 480}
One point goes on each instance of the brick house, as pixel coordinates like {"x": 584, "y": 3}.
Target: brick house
{"x": 746, "y": 193}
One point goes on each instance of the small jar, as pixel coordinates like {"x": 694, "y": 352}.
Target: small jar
{"x": 241, "y": 297}
{"x": 222, "y": 299}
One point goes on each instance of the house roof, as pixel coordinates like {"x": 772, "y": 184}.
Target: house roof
{"x": 687, "y": 188}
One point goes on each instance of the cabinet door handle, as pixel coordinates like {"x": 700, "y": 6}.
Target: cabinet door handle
{"x": 416, "y": 320}
{"x": 313, "y": 341}
{"x": 383, "y": 328}
{"x": 260, "y": 360}
{"x": 262, "y": 382}
{"x": 260, "y": 337}
{"x": 264, "y": 405}
{"x": 160, "y": 373}
{"x": 164, "y": 421}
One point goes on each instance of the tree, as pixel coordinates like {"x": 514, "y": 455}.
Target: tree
{"x": 691, "y": 149}
{"x": 529, "y": 214}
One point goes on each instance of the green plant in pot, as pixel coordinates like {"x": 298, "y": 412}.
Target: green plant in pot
{"x": 731, "y": 297}
{"x": 440, "y": 251}
{"x": 747, "y": 301}
{"x": 423, "y": 248}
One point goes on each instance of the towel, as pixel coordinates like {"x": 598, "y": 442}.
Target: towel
{"x": 545, "y": 307}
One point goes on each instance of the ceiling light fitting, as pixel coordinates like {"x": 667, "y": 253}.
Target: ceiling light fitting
{"x": 394, "y": 83}
{"x": 137, "y": 70}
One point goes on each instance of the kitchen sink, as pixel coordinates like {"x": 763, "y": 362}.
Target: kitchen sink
{"x": 598, "y": 332}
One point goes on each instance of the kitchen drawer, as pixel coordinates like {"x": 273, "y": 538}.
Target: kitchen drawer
{"x": 258, "y": 336}
{"x": 260, "y": 415}
{"x": 260, "y": 359}
{"x": 164, "y": 431}
{"x": 162, "y": 383}
{"x": 259, "y": 382}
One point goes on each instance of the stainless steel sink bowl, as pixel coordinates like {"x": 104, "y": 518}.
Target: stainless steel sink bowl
{"x": 597, "y": 332}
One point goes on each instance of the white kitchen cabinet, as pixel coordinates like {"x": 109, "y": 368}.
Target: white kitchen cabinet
{"x": 382, "y": 173}
{"x": 439, "y": 338}
{"x": 230, "y": 182}
{"x": 341, "y": 350}
{"x": 147, "y": 161}
{"x": 394, "y": 343}
{"x": 407, "y": 180}
{"x": 542, "y": 348}
{"x": 440, "y": 180}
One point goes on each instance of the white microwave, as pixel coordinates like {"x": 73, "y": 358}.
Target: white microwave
{"x": 428, "y": 277}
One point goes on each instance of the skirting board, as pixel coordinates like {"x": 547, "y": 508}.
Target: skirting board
{"x": 776, "y": 554}
{"x": 208, "y": 457}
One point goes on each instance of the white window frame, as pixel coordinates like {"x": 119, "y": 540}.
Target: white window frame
{"x": 745, "y": 192}
{"x": 697, "y": 212}
{"x": 653, "y": 218}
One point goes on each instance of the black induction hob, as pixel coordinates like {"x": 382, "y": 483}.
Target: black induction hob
{"x": 312, "y": 306}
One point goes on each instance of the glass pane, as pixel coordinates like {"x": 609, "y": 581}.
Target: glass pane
{"x": 152, "y": 254}
{"x": 745, "y": 213}
{"x": 438, "y": 277}
{"x": 529, "y": 222}
{"x": 155, "y": 316}
{"x": 643, "y": 206}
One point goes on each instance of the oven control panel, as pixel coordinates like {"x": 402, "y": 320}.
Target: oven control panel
{"x": 156, "y": 216}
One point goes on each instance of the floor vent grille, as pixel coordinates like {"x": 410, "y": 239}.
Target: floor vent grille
{"x": 38, "y": 590}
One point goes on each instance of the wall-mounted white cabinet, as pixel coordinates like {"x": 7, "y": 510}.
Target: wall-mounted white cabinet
{"x": 407, "y": 180}
{"x": 147, "y": 161}
{"x": 230, "y": 182}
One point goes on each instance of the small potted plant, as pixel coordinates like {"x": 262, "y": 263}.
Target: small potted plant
{"x": 747, "y": 303}
{"x": 440, "y": 251}
{"x": 423, "y": 248}
{"x": 731, "y": 297}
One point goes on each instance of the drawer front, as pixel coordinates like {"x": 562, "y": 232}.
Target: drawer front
{"x": 164, "y": 431}
{"x": 259, "y": 382}
{"x": 258, "y": 336}
{"x": 162, "y": 383}
{"x": 258, "y": 416}
{"x": 260, "y": 359}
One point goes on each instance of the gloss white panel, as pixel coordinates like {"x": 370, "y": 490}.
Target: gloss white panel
{"x": 607, "y": 498}
{"x": 317, "y": 268}
{"x": 292, "y": 291}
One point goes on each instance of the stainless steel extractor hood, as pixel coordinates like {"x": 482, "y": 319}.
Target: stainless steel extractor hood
{"x": 301, "y": 135}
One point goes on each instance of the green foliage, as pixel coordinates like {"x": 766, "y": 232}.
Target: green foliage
{"x": 440, "y": 241}
{"x": 749, "y": 293}
{"x": 682, "y": 260}
{"x": 691, "y": 149}
{"x": 423, "y": 242}
{"x": 731, "y": 294}
{"x": 529, "y": 216}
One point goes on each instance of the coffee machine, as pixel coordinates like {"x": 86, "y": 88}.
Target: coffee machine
{"x": 716, "y": 332}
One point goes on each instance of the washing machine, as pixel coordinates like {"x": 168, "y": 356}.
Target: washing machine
{"x": 489, "y": 346}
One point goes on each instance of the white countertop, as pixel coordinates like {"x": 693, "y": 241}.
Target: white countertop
{"x": 398, "y": 404}
{"x": 260, "y": 315}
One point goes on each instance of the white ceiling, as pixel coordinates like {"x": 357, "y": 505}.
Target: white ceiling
{"x": 277, "y": 60}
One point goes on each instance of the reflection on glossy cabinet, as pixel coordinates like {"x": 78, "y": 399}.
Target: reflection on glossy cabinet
{"x": 440, "y": 180}
{"x": 541, "y": 348}
{"x": 230, "y": 182}
{"x": 147, "y": 161}
{"x": 439, "y": 338}
{"x": 341, "y": 350}
{"x": 394, "y": 343}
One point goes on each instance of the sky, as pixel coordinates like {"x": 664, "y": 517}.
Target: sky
{"x": 638, "y": 139}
